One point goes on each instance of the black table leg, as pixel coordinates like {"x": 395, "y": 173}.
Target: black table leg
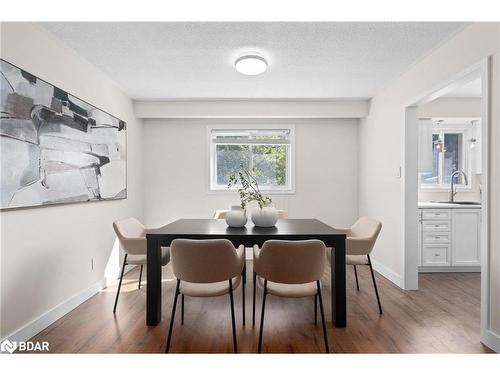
{"x": 338, "y": 287}
{"x": 153, "y": 288}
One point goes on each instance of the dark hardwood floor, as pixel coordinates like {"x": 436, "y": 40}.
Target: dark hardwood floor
{"x": 442, "y": 317}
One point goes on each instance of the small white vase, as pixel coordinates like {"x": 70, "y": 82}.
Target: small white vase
{"x": 265, "y": 217}
{"x": 236, "y": 217}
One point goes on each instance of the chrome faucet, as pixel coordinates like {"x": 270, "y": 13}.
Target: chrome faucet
{"x": 453, "y": 193}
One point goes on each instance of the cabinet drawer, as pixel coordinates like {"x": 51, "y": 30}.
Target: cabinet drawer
{"x": 436, "y": 226}
{"x": 436, "y": 255}
{"x": 436, "y": 237}
{"x": 436, "y": 215}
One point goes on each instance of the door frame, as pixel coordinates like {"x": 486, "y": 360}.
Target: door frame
{"x": 409, "y": 193}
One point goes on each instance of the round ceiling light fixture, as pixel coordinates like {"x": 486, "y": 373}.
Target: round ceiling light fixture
{"x": 250, "y": 64}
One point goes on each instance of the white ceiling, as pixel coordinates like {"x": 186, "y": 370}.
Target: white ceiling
{"x": 306, "y": 60}
{"x": 469, "y": 90}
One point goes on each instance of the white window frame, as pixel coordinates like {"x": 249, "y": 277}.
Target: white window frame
{"x": 466, "y": 159}
{"x": 288, "y": 188}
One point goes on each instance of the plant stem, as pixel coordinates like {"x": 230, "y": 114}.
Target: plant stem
{"x": 256, "y": 190}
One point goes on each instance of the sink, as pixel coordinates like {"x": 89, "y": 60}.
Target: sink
{"x": 459, "y": 202}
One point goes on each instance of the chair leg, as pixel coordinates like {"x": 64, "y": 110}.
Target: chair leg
{"x": 140, "y": 276}
{"x": 233, "y": 323}
{"x": 327, "y": 349}
{"x": 375, "y": 285}
{"x": 315, "y": 309}
{"x": 120, "y": 283}
{"x": 356, "y": 275}
{"x": 172, "y": 317}
{"x": 262, "y": 316}
{"x": 182, "y": 309}
{"x": 254, "y": 290}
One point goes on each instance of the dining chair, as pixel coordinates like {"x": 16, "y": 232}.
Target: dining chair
{"x": 132, "y": 239}
{"x": 291, "y": 269}
{"x": 282, "y": 214}
{"x": 207, "y": 268}
{"x": 221, "y": 214}
{"x": 360, "y": 240}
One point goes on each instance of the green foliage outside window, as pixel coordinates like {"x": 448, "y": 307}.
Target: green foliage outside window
{"x": 268, "y": 163}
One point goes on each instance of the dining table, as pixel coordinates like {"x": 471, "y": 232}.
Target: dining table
{"x": 249, "y": 235}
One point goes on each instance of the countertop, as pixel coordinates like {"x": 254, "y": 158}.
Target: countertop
{"x": 446, "y": 205}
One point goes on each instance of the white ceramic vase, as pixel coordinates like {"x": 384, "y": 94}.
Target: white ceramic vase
{"x": 236, "y": 217}
{"x": 265, "y": 216}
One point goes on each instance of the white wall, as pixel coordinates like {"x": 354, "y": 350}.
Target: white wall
{"x": 238, "y": 108}
{"x": 46, "y": 252}
{"x": 176, "y": 178}
{"x": 381, "y": 153}
{"x": 451, "y": 107}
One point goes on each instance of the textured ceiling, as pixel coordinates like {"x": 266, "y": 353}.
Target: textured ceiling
{"x": 306, "y": 60}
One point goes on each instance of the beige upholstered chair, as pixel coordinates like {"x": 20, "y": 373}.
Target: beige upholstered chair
{"x": 290, "y": 269}
{"x": 361, "y": 238}
{"x": 206, "y": 268}
{"x": 221, "y": 214}
{"x": 132, "y": 238}
{"x": 282, "y": 214}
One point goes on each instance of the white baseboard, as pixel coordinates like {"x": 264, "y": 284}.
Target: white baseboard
{"x": 388, "y": 273}
{"x": 492, "y": 341}
{"x": 448, "y": 269}
{"x": 43, "y": 321}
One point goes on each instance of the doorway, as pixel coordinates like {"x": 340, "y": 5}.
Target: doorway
{"x": 431, "y": 179}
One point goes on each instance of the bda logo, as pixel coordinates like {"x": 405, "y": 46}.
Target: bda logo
{"x": 8, "y": 346}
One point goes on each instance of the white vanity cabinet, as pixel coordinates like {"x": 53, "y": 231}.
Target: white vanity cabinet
{"x": 466, "y": 237}
{"x": 449, "y": 239}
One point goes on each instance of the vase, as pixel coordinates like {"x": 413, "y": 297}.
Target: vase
{"x": 265, "y": 217}
{"x": 236, "y": 217}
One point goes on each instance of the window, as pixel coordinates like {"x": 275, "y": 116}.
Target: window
{"x": 449, "y": 154}
{"x": 267, "y": 151}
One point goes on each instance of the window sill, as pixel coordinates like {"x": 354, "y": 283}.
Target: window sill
{"x": 226, "y": 191}
{"x": 445, "y": 189}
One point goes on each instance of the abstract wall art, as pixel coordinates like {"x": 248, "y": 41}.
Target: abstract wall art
{"x": 54, "y": 147}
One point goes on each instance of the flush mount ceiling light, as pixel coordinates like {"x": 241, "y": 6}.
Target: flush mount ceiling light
{"x": 250, "y": 64}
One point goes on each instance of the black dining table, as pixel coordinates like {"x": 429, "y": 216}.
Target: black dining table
{"x": 249, "y": 235}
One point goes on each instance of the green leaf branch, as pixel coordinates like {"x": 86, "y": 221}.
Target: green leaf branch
{"x": 249, "y": 190}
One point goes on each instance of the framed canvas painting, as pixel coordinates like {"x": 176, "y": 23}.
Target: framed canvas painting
{"x": 54, "y": 147}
